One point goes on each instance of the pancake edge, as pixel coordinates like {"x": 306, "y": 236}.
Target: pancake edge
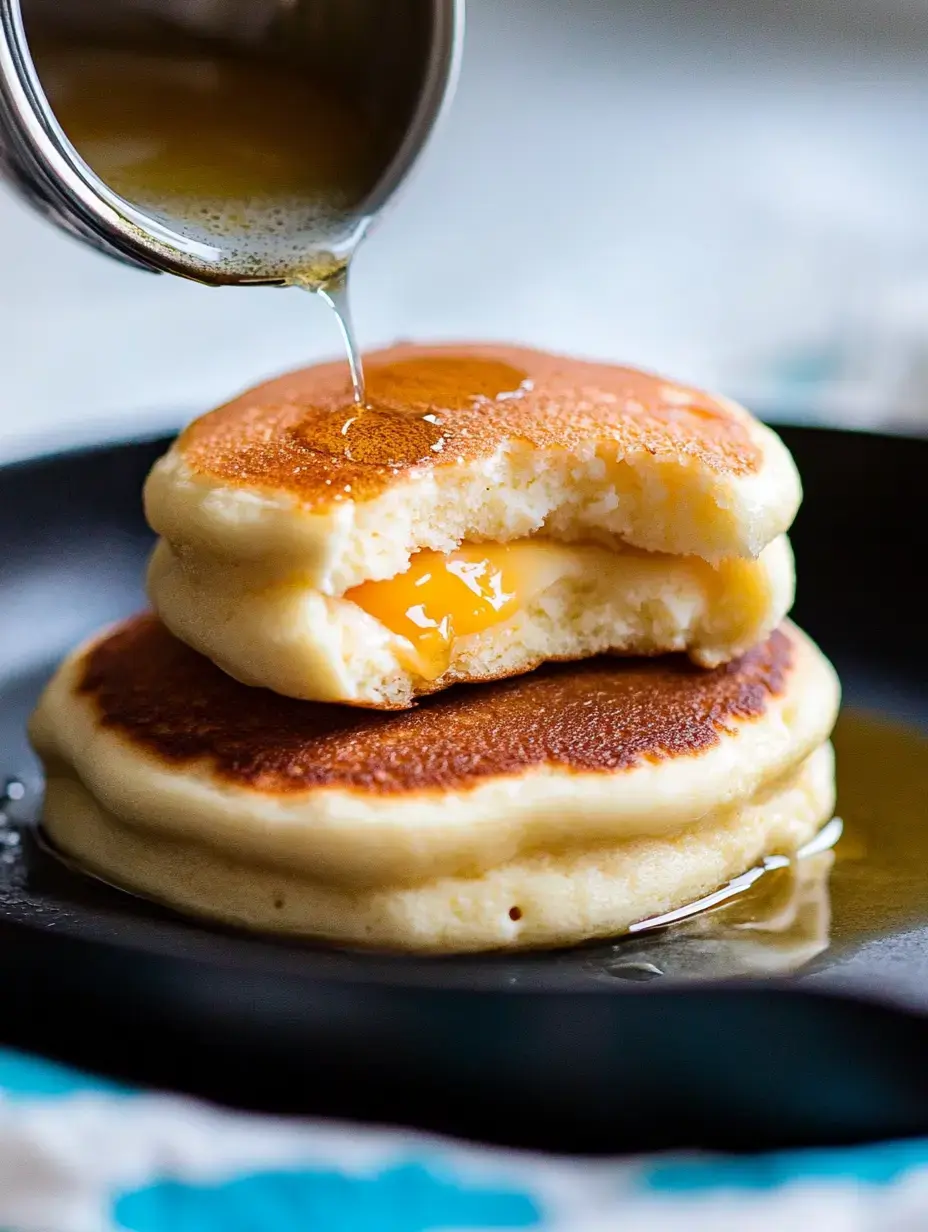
{"x": 508, "y": 495}
{"x": 362, "y": 838}
{"x": 303, "y": 644}
{"x": 534, "y": 901}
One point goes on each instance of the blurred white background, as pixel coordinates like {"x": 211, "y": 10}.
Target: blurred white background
{"x": 733, "y": 192}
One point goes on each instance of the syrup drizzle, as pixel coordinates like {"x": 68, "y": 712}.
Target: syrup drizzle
{"x": 335, "y": 294}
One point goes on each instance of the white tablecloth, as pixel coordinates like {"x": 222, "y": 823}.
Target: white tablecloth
{"x": 79, "y": 1155}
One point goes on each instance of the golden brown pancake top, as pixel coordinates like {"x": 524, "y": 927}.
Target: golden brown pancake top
{"x": 428, "y": 406}
{"x": 601, "y": 715}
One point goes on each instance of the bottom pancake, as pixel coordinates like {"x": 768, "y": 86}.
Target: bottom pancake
{"x": 542, "y": 810}
{"x": 537, "y": 900}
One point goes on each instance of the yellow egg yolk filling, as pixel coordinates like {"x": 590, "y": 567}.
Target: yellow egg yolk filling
{"x": 443, "y": 597}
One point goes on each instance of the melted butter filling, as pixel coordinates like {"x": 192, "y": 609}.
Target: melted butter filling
{"x": 442, "y": 597}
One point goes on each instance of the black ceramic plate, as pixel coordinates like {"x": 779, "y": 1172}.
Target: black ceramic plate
{"x": 556, "y": 1050}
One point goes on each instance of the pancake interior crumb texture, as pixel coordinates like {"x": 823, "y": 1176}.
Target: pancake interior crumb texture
{"x": 634, "y": 515}
{"x": 583, "y": 450}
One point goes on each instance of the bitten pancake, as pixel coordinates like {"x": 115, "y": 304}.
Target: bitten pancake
{"x": 544, "y": 602}
{"x": 492, "y": 508}
{"x": 625, "y": 783}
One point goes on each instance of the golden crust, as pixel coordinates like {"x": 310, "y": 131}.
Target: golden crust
{"x": 432, "y": 405}
{"x": 606, "y": 715}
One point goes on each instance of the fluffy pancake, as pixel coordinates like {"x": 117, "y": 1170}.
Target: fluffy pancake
{"x": 600, "y": 792}
{"x": 535, "y": 900}
{"x": 292, "y": 523}
{"x": 531, "y": 603}
{"x": 483, "y": 442}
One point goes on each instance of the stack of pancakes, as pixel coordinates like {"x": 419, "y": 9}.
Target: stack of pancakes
{"x": 499, "y": 660}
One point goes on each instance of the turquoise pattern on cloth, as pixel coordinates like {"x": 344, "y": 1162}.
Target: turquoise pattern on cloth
{"x": 78, "y": 1154}
{"x": 407, "y": 1198}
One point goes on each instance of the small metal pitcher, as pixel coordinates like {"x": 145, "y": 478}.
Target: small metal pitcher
{"x": 403, "y": 54}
